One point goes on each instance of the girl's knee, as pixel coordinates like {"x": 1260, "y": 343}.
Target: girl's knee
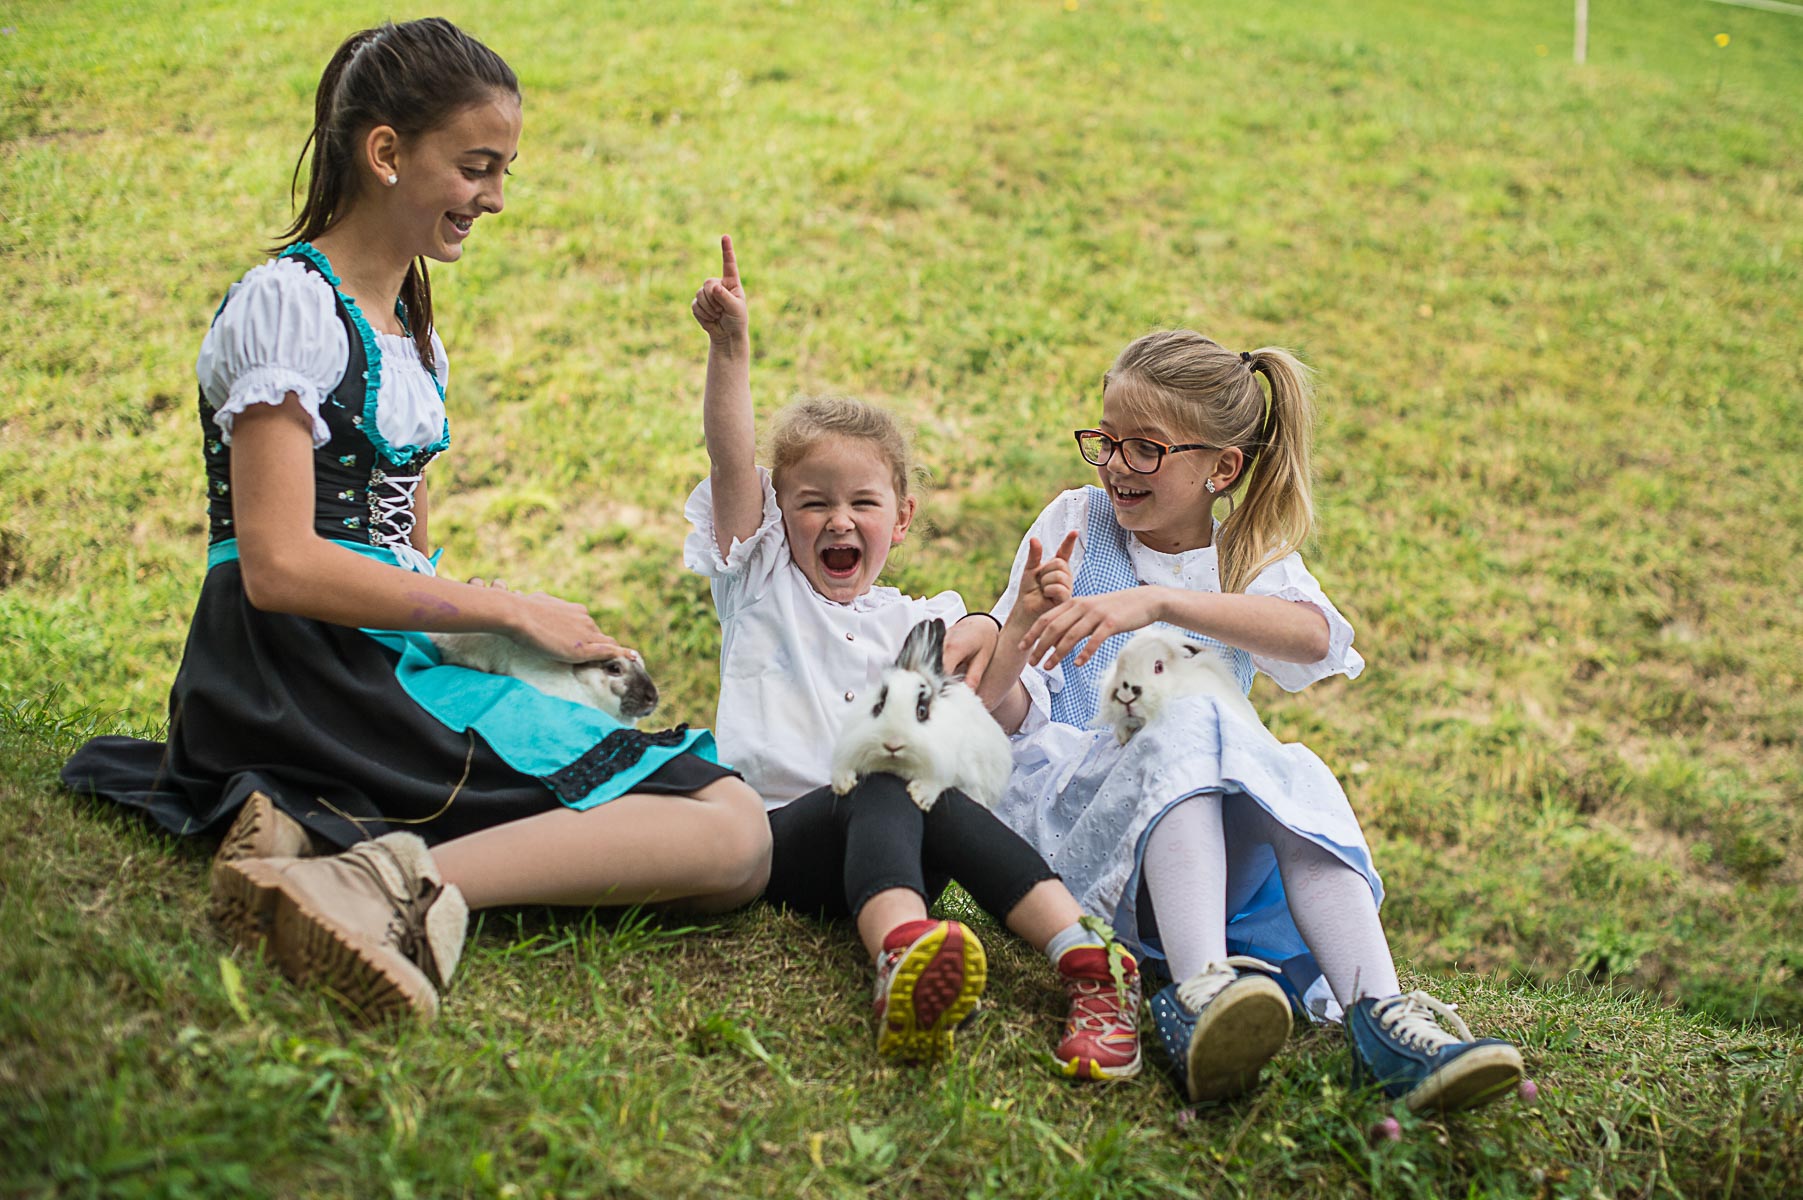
{"x": 738, "y": 838}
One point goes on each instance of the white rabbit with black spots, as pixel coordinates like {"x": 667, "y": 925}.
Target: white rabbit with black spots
{"x": 1157, "y": 666}
{"x": 619, "y": 686}
{"x": 927, "y": 727}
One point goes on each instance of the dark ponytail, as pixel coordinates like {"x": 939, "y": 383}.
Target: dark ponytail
{"x": 413, "y": 77}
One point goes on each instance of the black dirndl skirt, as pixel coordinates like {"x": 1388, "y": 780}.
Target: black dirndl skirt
{"x": 312, "y": 715}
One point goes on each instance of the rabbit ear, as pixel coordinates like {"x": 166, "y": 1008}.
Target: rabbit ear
{"x": 1191, "y": 648}
{"x": 924, "y": 649}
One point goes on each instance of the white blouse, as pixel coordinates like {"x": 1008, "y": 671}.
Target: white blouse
{"x": 1193, "y": 570}
{"x": 792, "y": 662}
{"x": 279, "y": 332}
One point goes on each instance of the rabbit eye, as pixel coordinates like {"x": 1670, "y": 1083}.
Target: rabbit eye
{"x": 1158, "y": 667}
{"x": 613, "y": 668}
{"x": 924, "y": 705}
{"x": 882, "y": 698}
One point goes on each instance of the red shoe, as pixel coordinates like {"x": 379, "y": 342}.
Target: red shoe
{"x": 1101, "y": 1031}
{"x": 927, "y": 981}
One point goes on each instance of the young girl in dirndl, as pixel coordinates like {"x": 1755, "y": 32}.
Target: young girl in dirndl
{"x": 310, "y": 713}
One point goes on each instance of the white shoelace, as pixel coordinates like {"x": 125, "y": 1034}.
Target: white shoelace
{"x": 391, "y": 503}
{"x": 1212, "y": 979}
{"x": 1414, "y": 1019}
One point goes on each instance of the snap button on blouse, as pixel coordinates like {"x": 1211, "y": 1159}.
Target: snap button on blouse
{"x": 850, "y": 696}
{"x": 850, "y": 638}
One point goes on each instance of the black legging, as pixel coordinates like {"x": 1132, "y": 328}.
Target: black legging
{"x": 830, "y": 854}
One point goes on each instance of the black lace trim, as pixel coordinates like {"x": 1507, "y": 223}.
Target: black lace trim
{"x": 618, "y": 751}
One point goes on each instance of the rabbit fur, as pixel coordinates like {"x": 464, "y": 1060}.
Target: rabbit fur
{"x": 1157, "y": 666}
{"x": 927, "y": 727}
{"x": 618, "y": 686}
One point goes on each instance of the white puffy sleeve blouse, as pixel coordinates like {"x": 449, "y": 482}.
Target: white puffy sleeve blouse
{"x": 279, "y": 333}
{"x": 1196, "y": 570}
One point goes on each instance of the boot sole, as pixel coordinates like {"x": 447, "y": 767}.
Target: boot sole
{"x": 1476, "y": 1077}
{"x": 933, "y": 989}
{"x": 1236, "y": 1035}
{"x": 254, "y": 907}
{"x": 262, "y": 830}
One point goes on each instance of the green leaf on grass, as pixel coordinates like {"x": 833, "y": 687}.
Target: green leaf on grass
{"x": 233, "y": 979}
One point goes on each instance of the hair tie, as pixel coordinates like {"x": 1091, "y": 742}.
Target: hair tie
{"x": 1246, "y": 357}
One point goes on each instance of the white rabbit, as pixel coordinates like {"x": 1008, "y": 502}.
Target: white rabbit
{"x": 618, "y": 686}
{"x": 927, "y": 727}
{"x": 1158, "y": 666}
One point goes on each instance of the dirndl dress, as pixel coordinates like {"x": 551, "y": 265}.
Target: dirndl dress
{"x": 1089, "y": 805}
{"x": 352, "y": 732}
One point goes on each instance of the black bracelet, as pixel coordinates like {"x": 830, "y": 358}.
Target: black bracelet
{"x": 991, "y": 616}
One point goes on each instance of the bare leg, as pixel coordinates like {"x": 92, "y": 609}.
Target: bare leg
{"x": 711, "y": 850}
{"x": 1043, "y": 912}
{"x": 884, "y": 911}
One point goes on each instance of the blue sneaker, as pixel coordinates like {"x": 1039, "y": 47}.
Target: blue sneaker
{"x": 1221, "y": 1026}
{"x": 1402, "y": 1043}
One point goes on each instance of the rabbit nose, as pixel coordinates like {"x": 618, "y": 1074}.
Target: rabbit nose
{"x": 1134, "y": 688}
{"x": 893, "y": 747}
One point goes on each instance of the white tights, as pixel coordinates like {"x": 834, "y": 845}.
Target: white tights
{"x": 1187, "y": 877}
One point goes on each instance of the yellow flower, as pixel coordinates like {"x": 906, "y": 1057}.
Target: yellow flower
{"x": 1721, "y": 39}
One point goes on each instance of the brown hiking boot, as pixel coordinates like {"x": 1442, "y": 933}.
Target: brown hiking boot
{"x": 377, "y": 925}
{"x": 264, "y": 831}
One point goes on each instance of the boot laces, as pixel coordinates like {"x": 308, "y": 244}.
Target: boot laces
{"x": 1414, "y": 1019}
{"x": 406, "y": 914}
{"x": 1196, "y": 991}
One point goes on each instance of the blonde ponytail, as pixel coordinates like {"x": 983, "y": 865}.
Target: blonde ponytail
{"x": 1277, "y": 512}
{"x": 1209, "y": 392}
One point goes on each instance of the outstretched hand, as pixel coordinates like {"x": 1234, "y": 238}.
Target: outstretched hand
{"x": 1094, "y": 619}
{"x": 719, "y": 306}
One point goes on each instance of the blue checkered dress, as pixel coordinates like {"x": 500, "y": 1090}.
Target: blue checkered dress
{"x": 1088, "y": 804}
{"x": 1107, "y": 567}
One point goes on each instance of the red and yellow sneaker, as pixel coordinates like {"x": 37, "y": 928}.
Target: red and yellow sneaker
{"x": 1101, "y": 1029}
{"x": 927, "y": 981}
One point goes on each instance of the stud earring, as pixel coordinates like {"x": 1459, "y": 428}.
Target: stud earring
{"x": 1210, "y": 485}
{"x": 393, "y": 179}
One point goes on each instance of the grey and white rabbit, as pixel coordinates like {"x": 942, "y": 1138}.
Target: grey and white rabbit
{"x": 618, "y": 686}
{"x": 1157, "y": 666}
{"x": 927, "y": 727}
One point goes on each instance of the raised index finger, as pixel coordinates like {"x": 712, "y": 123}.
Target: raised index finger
{"x": 1033, "y": 556}
{"x": 729, "y": 263}
{"x": 1067, "y": 546}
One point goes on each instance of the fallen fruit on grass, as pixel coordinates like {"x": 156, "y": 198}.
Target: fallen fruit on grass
{"x": 1387, "y": 1130}
{"x": 1529, "y": 1091}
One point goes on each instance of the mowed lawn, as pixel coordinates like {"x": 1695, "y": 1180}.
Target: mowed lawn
{"x": 1554, "y": 311}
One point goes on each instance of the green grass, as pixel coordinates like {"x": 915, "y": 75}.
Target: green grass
{"x": 1554, "y": 311}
